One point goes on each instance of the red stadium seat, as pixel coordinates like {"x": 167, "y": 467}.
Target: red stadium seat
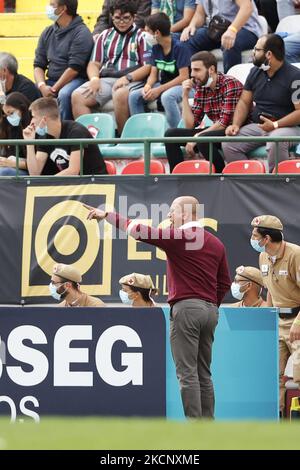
{"x": 193, "y": 166}
{"x": 110, "y": 166}
{"x": 288, "y": 166}
{"x": 244, "y": 166}
{"x": 138, "y": 168}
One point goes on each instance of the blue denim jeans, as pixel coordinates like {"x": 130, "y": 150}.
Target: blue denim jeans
{"x": 285, "y": 8}
{"x": 170, "y": 100}
{"x": 64, "y": 96}
{"x": 245, "y": 40}
{"x": 8, "y": 171}
{"x": 292, "y": 47}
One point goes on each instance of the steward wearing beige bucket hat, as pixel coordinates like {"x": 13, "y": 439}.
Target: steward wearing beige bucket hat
{"x": 247, "y": 287}
{"x": 65, "y": 285}
{"x": 279, "y": 263}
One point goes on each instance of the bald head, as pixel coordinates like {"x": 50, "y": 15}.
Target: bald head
{"x": 184, "y": 209}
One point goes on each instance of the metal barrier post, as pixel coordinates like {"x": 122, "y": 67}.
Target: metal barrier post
{"x": 210, "y": 156}
{"x": 17, "y": 160}
{"x": 81, "y": 159}
{"x": 147, "y": 157}
{"x": 276, "y": 158}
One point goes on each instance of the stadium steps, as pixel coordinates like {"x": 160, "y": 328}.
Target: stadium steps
{"x": 19, "y": 32}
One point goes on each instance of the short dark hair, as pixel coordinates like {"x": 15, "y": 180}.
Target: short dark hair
{"x": 125, "y": 6}
{"x": 206, "y": 57}
{"x": 159, "y": 21}
{"x": 275, "y": 44}
{"x": 275, "y": 235}
{"x": 71, "y": 5}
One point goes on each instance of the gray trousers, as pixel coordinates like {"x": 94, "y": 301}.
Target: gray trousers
{"x": 238, "y": 150}
{"x": 192, "y": 328}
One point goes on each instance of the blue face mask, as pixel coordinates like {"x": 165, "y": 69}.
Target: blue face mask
{"x": 236, "y": 291}
{"x": 125, "y": 298}
{"x": 54, "y": 293}
{"x": 255, "y": 244}
{"x": 50, "y": 12}
{"x": 41, "y": 131}
{"x": 14, "y": 119}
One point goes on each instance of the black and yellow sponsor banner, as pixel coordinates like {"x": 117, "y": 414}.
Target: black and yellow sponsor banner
{"x": 44, "y": 222}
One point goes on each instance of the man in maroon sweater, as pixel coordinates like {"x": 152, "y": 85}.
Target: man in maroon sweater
{"x": 198, "y": 279}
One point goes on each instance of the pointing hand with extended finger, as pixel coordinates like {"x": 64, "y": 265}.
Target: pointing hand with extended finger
{"x": 94, "y": 213}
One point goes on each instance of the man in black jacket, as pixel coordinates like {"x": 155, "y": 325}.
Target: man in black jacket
{"x": 62, "y": 54}
{"x": 11, "y": 80}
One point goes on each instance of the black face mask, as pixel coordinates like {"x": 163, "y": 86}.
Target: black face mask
{"x": 123, "y": 33}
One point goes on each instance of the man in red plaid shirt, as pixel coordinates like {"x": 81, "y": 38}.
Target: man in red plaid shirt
{"x": 216, "y": 96}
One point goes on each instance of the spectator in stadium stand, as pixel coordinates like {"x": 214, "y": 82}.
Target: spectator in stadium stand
{"x": 137, "y": 290}
{"x": 247, "y": 287}
{"x": 65, "y": 286}
{"x": 11, "y": 80}
{"x": 272, "y": 86}
{"x": 198, "y": 278}
{"x": 242, "y": 33}
{"x": 120, "y": 61}
{"x": 169, "y": 68}
{"x": 59, "y": 160}
{"x": 16, "y": 116}
{"x": 104, "y": 21}
{"x": 279, "y": 263}
{"x": 62, "y": 54}
{"x": 216, "y": 95}
{"x": 180, "y": 12}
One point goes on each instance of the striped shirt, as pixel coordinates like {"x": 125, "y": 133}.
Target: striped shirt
{"x": 219, "y": 104}
{"x": 120, "y": 51}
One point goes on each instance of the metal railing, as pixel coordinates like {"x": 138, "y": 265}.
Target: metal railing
{"x": 82, "y": 143}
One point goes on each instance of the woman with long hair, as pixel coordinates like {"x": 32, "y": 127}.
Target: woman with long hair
{"x": 15, "y": 117}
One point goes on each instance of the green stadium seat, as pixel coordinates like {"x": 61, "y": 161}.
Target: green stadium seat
{"x": 138, "y": 126}
{"x": 100, "y": 125}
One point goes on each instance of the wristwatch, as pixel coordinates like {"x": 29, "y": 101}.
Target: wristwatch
{"x": 129, "y": 77}
{"x": 275, "y": 124}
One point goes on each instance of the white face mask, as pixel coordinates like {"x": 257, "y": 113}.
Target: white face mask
{"x": 14, "y": 119}
{"x": 208, "y": 83}
{"x": 236, "y": 291}
{"x": 265, "y": 66}
{"x": 150, "y": 39}
{"x": 50, "y": 12}
{"x": 256, "y": 246}
{"x": 125, "y": 297}
{"x": 54, "y": 293}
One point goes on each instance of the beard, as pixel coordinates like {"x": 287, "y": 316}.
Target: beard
{"x": 258, "y": 62}
{"x": 204, "y": 81}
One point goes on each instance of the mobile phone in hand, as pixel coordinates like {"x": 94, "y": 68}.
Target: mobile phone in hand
{"x": 268, "y": 116}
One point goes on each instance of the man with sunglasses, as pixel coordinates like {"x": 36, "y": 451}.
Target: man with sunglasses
{"x": 65, "y": 286}
{"x": 119, "y": 63}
